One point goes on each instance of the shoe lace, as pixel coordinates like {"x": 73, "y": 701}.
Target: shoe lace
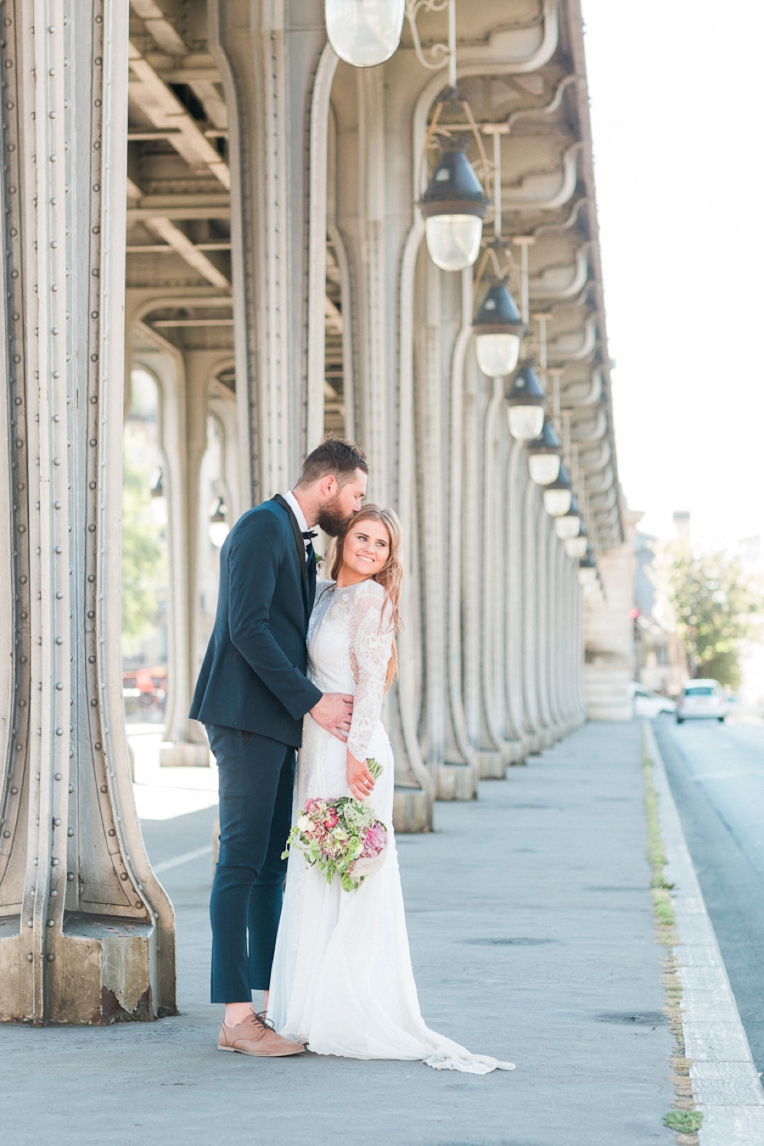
{"x": 263, "y": 1020}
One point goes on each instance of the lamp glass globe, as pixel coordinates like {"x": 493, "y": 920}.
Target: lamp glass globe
{"x": 364, "y": 32}
{"x": 557, "y": 501}
{"x": 453, "y": 240}
{"x": 575, "y": 547}
{"x": 544, "y": 468}
{"x": 497, "y": 354}
{"x": 219, "y": 530}
{"x": 159, "y": 510}
{"x": 525, "y": 422}
{"x": 568, "y": 526}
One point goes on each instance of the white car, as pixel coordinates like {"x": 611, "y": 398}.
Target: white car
{"x": 648, "y": 703}
{"x": 702, "y": 700}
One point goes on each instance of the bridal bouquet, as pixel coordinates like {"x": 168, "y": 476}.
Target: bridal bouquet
{"x": 340, "y": 836}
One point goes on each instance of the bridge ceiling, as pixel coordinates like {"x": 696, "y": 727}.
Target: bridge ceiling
{"x": 178, "y": 202}
{"x": 179, "y": 235}
{"x": 548, "y": 196}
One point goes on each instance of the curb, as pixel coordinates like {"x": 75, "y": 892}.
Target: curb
{"x": 725, "y": 1081}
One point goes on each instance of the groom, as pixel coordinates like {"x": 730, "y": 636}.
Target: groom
{"x": 252, "y": 695}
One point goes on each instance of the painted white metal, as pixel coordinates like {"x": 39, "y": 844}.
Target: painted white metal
{"x": 318, "y": 223}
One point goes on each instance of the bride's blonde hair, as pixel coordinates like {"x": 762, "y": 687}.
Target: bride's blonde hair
{"x": 389, "y": 576}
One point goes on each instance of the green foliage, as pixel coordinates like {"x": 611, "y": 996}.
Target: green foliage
{"x": 683, "y": 1121}
{"x": 716, "y": 608}
{"x": 143, "y": 558}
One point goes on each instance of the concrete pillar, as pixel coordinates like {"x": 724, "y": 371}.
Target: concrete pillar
{"x": 185, "y": 743}
{"x": 369, "y": 233}
{"x": 268, "y": 54}
{"x": 471, "y": 606}
{"x": 531, "y": 510}
{"x": 544, "y": 542}
{"x": 566, "y": 630}
{"x": 609, "y": 632}
{"x": 517, "y": 479}
{"x": 439, "y": 314}
{"x": 86, "y": 931}
{"x": 493, "y": 513}
{"x": 554, "y": 638}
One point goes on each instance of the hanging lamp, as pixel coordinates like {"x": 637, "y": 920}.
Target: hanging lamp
{"x": 364, "y": 33}
{"x": 545, "y": 455}
{"x": 576, "y": 547}
{"x": 587, "y": 570}
{"x": 499, "y": 331}
{"x": 558, "y": 495}
{"x": 525, "y": 405}
{"x": 569, "y": 525}
{"x": 454, "y": 207}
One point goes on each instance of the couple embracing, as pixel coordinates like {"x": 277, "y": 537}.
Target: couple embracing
{"x": 295, "y": 664}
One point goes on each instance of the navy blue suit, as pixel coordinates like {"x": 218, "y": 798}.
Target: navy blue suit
{"x": 251, "y": 695}
{"x": 253, "y": 673}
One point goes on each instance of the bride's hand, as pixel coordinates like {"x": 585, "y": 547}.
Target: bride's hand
{"x": 360, "y": 779}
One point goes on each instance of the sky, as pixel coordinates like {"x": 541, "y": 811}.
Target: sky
{"x": 677, "y": 98}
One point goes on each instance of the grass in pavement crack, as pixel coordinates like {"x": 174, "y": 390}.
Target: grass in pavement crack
{"x": 684, "y": 1119}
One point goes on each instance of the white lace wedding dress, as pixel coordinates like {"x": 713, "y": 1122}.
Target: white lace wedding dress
{"x": 342, "y": 980}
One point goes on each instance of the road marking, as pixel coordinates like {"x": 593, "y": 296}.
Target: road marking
{"x": 166, "y": 865}
{"x": 717, "y": 776}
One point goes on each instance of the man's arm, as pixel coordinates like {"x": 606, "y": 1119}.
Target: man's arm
{"x": 254, "y": 558}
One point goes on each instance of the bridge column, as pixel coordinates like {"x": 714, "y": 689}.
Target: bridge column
{"x": 86, "y": 931}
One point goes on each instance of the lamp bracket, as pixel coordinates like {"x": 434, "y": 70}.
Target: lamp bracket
{"x": 497, "y": 263}
{"x": 435, "y": 129}
{"x": 439, "y": 54}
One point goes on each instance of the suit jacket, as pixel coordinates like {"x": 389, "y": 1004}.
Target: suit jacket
{"x": 253, "y": 675}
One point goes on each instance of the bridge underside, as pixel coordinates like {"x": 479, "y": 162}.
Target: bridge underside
{"x": 242, "y": 205}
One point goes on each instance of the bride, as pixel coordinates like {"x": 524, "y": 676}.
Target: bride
{"x": 342, "y": 980}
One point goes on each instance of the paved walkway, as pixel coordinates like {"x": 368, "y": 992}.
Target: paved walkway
{"x": 532, "y": 940}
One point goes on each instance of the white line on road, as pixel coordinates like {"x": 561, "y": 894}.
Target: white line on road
{"x": 166, "y": 865}
{"x": 717, "y": 776}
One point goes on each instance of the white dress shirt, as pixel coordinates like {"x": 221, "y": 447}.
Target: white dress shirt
{"x": 294, "y": 505}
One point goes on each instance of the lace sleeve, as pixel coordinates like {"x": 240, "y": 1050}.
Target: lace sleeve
{"x": 371, "y": 643}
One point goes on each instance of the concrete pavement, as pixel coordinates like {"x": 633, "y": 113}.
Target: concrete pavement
{"x": 725, "y": 1083}
{"x": 532, "y": 939}
{"x": 716, "y": 774}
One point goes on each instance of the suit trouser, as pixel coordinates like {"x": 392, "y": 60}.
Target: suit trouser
{"x": 256, "y": 789}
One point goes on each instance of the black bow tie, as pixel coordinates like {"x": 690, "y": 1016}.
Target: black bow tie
{"x": 309, "y": 535}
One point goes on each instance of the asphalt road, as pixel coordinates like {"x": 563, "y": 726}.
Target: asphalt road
{"x": 716, "y": 773}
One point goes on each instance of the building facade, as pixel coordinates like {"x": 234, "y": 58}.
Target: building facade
{"x": 202, "y": 193}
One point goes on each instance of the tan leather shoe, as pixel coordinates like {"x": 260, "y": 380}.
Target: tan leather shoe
{"x": 257, "y": 1037}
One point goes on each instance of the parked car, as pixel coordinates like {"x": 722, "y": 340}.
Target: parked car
{"x": 702, "y": 700}
{"x": 648, "y": 703}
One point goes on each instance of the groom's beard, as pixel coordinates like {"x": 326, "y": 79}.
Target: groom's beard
{"x": 332, "y": 519}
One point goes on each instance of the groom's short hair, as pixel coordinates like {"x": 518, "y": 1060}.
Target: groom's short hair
{"x": 334, "y": 456}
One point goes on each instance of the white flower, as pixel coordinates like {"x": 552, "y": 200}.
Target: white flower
{"x": 303, "y": 823}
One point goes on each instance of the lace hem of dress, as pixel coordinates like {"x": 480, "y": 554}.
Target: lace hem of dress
{"x": 475, "y": 1064}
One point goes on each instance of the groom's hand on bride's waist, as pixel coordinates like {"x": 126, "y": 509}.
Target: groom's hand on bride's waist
{"x": 334, "y": 712}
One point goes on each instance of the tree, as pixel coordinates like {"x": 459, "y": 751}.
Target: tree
{"x": 143, "y": 558}
{"x": 716, "y": 607}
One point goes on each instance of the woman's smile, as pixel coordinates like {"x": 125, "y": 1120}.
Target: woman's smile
{"x": 365, "y": 551}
